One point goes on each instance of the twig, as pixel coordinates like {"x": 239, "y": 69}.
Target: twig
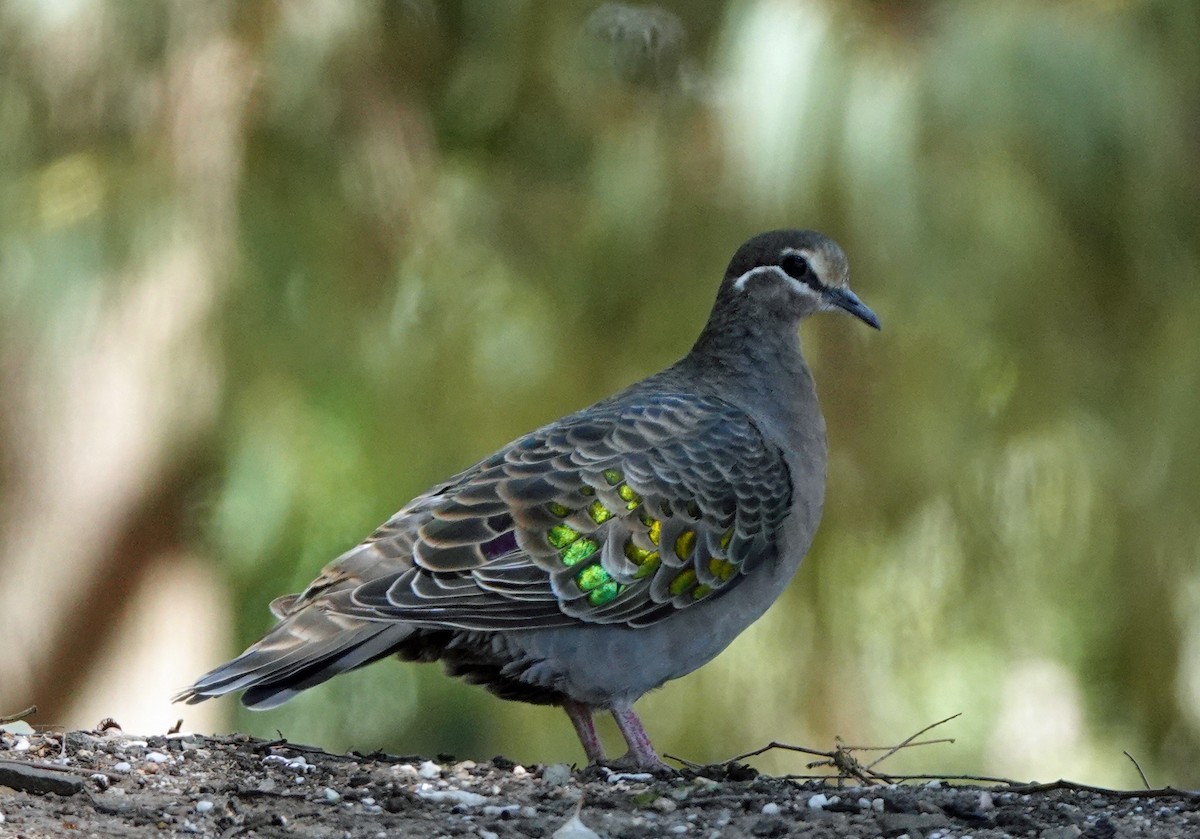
{"x": 936, "y": 742}
{"x": 1137, "y": 766}
{"x": 985, "y": 779}
{"x": 775, "y": 744}
{"x": 688, "y": 763}
{"x": 54, "y": 767}
{"x": 1160, "y": 792}
{"x": 842, "y": 756}
{"x": 20, "y": 715}
{"x": 909, "y": 741}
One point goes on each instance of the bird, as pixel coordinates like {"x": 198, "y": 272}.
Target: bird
{"x": 606, "y": 553}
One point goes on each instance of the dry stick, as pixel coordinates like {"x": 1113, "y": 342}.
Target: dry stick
{"x": 56, "y": 767}
{"x": 909, "y": 741}
{"x": 28, "y": 712}
{"x": 775, "y": 744}
{"x": 842, "y": 758}
{"x": 1137, "y": 766}
{"x": 898, "y": 778}
{"x": 690, "y": 764}
{"x": 1160, "y": 792}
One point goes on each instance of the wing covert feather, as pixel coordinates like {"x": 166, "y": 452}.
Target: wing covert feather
{"x": 623, "y": 514}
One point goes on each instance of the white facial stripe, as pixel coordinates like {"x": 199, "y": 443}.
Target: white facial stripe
{"x": 740, "y": 283}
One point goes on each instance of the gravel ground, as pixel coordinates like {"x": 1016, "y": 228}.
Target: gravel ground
{"x": 113, "y": 785}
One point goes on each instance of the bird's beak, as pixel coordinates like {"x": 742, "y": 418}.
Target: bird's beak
{"x": 847, "y": 300}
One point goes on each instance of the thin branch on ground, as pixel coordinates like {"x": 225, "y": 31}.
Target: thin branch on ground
{"x": 58, "y": 767}
{"x": 20, "y": 715}
{"x": 1159, "y": 792}
{"x": 1138, "y": 767}
{"x": 842, "y": 758}
{"x": 909, "y": 741}
{"x": 689, "y": 764}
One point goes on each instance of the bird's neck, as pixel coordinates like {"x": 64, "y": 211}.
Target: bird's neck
{"x": 757, "y": 361}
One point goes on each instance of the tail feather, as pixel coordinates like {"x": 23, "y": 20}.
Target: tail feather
{"x": 302, "y": 650}
{"x": 270, "y": 694}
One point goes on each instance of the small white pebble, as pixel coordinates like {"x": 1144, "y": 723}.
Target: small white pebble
{"x": 985, "y": 801}
{"x": 203, "y": 806}
{"x": 818, "y": 801}
{"x": 864, "y": 803}
{"x": 665, "y": 805}
{"x": 520, "y": 771}
{"x": 679, "y": 828}
{"x": 367, "y": 801}
{"x": 22, "y": 745}
{"x": 877, "y": 804}
{"x": 528, "y": 812}
{"x": 1, "y": 818}
{"x": 934, "y": 784}
{"x": 452, "y": 796}
{"x": 123, "y": 767}
{"x": 157, "y": 757}
{"x": 487, "y": 834}
{"x": 429, "y": 770}
{"x": 494, "y": 810}
{"x": 770, "y": 809}
{"x": 297, "y": 763}
{"x": 332, "y": 795}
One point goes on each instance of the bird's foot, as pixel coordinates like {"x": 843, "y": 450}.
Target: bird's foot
{"x": 641, "y": 755}
{"x": 630, "y": 762}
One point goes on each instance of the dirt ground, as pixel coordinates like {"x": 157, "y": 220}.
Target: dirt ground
{"x": 111, "y": 784}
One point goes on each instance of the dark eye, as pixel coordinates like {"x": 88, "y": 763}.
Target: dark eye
{"x": 797, "y": 267}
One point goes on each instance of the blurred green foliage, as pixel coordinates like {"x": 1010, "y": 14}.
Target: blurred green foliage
{"x": 452, "y": 222}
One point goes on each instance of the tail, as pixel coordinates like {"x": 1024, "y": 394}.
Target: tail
{"x": 304, "y": 649}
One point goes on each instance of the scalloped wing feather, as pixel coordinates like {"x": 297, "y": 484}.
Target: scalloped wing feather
{"x": 623, "y": 514}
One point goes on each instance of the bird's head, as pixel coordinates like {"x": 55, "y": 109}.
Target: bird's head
{"x": 793, "y": 273}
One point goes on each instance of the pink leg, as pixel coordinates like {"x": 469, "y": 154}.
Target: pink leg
{"x": 581, "y": 718}
{"x": 641, "y": 751}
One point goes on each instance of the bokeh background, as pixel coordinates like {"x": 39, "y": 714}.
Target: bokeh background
{"x": 269, "y": 269}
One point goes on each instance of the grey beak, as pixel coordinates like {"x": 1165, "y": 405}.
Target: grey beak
{"x": 848, "y": 301}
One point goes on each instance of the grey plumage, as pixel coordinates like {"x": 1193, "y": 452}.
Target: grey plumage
{"x": 608, "y": 552}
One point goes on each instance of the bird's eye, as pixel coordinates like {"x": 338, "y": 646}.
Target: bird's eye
{"x": 797, "y": 267}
